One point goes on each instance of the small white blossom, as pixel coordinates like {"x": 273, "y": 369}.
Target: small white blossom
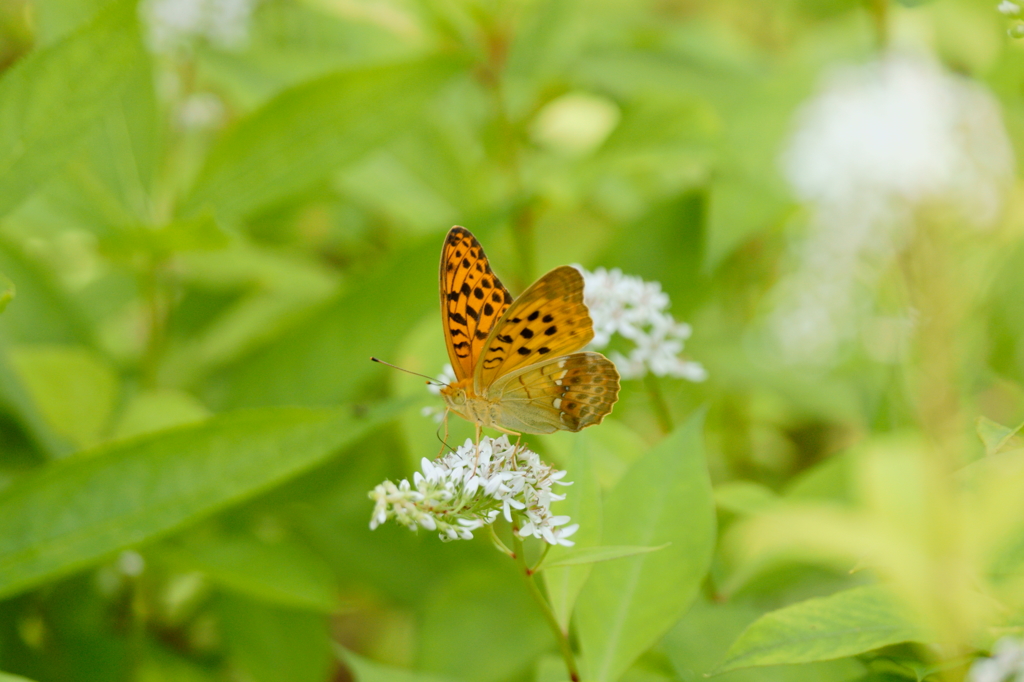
{"x": 637, "y": 311}
{"x": 173, "y": 24}
{"x": 1008, "y": 8}
{"x": 471, "y": 487}
{"x": 1005, "y": 665}
{"x": 877, "y": 144}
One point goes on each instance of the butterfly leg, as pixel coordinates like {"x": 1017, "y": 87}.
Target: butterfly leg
{"x": 444, "y": 441}
{"x": 476, "y": 457}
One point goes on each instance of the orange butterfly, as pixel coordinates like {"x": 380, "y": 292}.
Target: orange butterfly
{"x": 516, "y": 363}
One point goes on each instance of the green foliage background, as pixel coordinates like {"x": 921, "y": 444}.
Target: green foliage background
{"x": 192, "y": 288}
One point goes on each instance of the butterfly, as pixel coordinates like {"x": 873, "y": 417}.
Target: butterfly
{"x": 517, "y": 363}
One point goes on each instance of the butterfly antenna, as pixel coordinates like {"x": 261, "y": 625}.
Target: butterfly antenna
{"x": 430, "y": 380}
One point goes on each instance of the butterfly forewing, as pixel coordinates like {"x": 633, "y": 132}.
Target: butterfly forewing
{"x": 548, "y": 320}
{"x": 569, "y": 393}
{"x": 472, "y": 299}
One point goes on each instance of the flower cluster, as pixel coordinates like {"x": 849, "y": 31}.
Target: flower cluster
{"x": 471, "y": 487}
{"x": 1005, "y": 665}
{"x": 638, "y": 311}
{"x": 875, "y": 146}
{"x": 175, "y": 23}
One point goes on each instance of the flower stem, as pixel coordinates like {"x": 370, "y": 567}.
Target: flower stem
{"x": 658, "y": 401}
{"x": 545, "y": 607}
{"x": 499, "y": 544}
{"x": 879, "y": 10}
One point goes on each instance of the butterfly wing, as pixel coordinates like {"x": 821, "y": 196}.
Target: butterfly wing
{"x": 548, "y": 320}
{"x": 563, "y": 393}
{"x": 472, "y": 299}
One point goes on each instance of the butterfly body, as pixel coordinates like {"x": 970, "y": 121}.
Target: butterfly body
{"x": 517, "y": 361}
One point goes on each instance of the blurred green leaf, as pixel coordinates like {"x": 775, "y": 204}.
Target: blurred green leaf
{"x": 73, "y": 389}
{"x": 627, "y": 605}
{"x": 700, "y": 639}
{"x": 844, "y": 624}
{"x": 6, "y": 292}
{"x": 325, "y": 357}
{"x": 158, "y": 409}
{"x": 7, "y": 677}
{"x": 593, "y": 555}
{"x": 85, "y": 508}
{"x": 284, "y": 573}
{"x": 744, "y": 497}
{"x": 994, "y": 436}
{"x": 45, "y": 113}
{"x": 466, "y": 600}
{"x": 366, "y": 670}
{"x": 271, "y": 644}
{"x": 45, "y": 313}
{"x": 318, "y": 127}
{"x": 583, "y": 505}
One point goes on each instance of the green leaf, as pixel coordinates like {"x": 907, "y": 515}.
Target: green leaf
{"x": 366, "y": 670}
{"x": 85, "y": 508}
{"x": 318, "y": 127}
{"x": 324, "y": 358}
{"x": 744, "y": 497}
{"x": 6, "y": 292}
{"x": 593, "y": 555}
{"x": 284, "y": 573}
{"x": 46, "y": 112}
{"x": 995, "y": 436}
{"x": 844, "y": 624}
{"x": 158, "y": 409}
{"x": 583, "y": 505}
{"x": 271, "y": 644}
{"x": 73, "y": 389}
{"x": 627, "y": 605}
{"x": 698, "y": 642}
{"x": 7, "y": 677}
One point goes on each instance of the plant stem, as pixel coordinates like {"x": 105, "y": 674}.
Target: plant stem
{"x": 658, "y": 401}
{"x": 879, "y": 10}
{"x": 545, "y": 607}
{"x": 499, "y": 544}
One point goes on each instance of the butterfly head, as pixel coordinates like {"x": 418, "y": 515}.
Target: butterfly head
{"x": 455, "y": 394}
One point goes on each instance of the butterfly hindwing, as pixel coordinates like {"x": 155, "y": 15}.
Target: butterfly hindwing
{"x": 564, "y": 393}
{"x": 472, "y": 299}
{"x": 548, "y": 320}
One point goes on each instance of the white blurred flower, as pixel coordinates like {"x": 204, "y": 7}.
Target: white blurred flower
{"x": 1005, "y": 665}
{"x": 447, "y": 376}
{"x": 1008, "y": 8}
{"x": 878, "y": 143}
{"x": 200, "y": 111}
{"x": 173, "y": 24}
{"x": 469, "y": 488}
{"x": 638, "y": 311}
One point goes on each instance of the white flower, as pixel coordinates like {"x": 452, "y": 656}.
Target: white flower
{"x": 470, "y": 487}
{"x": 175, "y": 23}
{"x": 878, "y": 143}
{"x": 1005, "y": 665}
{"x": 637, "y": 311}
{"x": 447, "y": 376}
{"x": 1008, "y": 8}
